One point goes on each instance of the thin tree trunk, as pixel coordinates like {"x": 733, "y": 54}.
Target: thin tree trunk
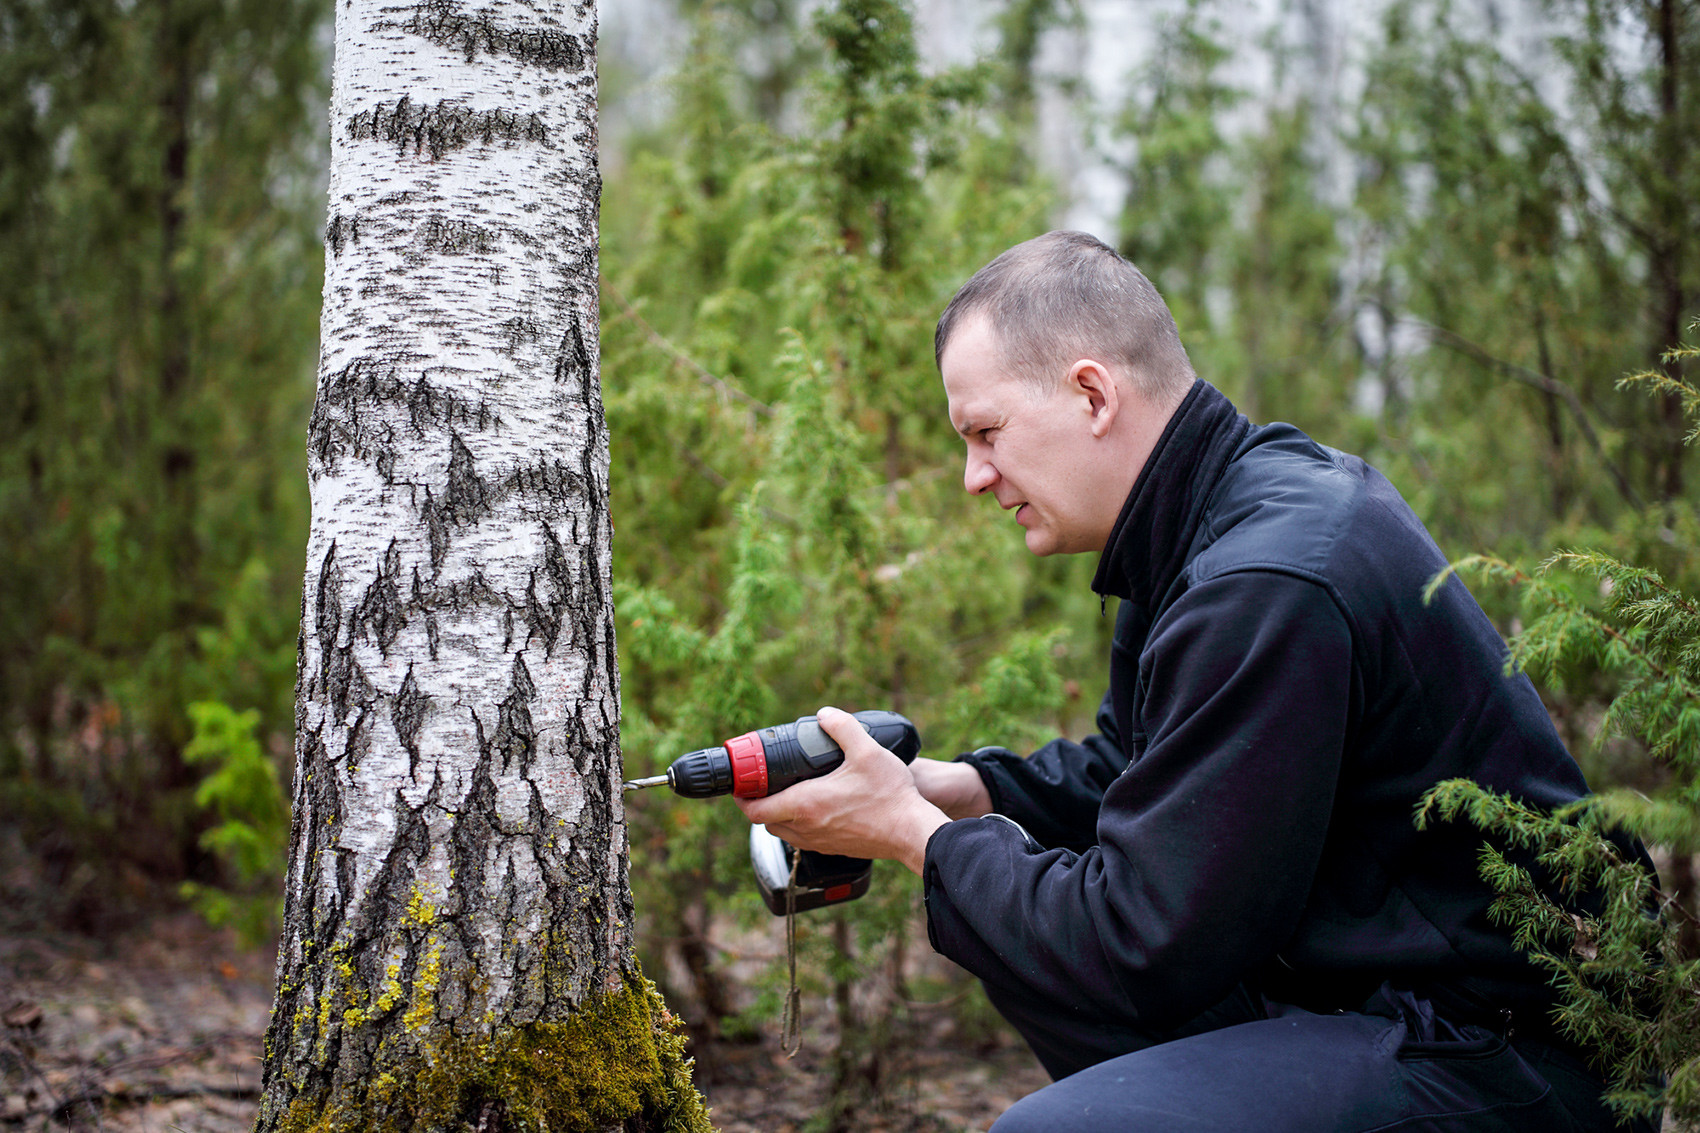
{"x": 161, "y": 764}
{"x": 1667, "y": 270}
{"x": 1557, "y": 466}
{"x": 457, "y": 948}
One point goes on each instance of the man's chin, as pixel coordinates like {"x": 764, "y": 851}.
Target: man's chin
{"x": 1043, "y": 544}
{"x": 1040, "y": 544}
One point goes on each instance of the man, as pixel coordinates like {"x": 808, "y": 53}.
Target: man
{"x": 1216, "y": 913}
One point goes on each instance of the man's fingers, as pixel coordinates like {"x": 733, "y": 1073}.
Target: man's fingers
{"x": 764, "y": 810}
{"x": 868, "y": 807}
{"x": 845, "y": 730}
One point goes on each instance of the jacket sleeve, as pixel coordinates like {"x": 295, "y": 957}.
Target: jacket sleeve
{"x": 1207, "y": 845}
{"x": 1055, "y": 792}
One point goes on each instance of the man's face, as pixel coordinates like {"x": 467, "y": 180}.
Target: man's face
{"x": 1033, "y": 452}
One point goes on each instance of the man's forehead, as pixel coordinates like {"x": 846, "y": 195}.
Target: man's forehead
{"x": 975, "y": 404}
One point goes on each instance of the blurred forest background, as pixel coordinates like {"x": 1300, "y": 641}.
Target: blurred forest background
{"x": 1438, "y": 238}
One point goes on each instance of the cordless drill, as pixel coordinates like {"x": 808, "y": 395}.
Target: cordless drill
{"x": 765, "y": 762}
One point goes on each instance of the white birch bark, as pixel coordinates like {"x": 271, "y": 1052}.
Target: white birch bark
{"x": 458, "y": 854}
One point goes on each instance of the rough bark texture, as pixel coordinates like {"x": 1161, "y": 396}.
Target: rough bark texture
{"x": 456, "y": 950}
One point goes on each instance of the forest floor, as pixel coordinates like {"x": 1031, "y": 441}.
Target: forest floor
{"x": 159, "y": 1029}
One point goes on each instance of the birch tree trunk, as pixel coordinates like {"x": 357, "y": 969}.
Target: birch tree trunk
{"x": 456, "y": 951}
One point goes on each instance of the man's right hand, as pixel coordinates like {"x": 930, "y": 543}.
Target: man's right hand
{"x": 955, "y": 788}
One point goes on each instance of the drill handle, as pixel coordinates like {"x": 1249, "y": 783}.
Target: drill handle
{"x": 802, "y": 749}
{"x": 893, "y": 732}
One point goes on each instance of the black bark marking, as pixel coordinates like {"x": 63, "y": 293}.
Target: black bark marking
{"x": 474, "y": 831}
{"x": 555, "y": 563}
{"x": 442, "y": 22}
{"x": 386, "y": 456}
{"x": 546, "y": 611}
{"x": 572, "y": 359}
{"x": 520, "y": 330}
{"x": 462, "y": 594}
{"x": 345, "y": 874}
{"x": 327, "y": 617}
{"x": 311, "y": 913}
{"x": 588, "y": 211}
{"x": 316, "y": 816}
{"x": 380, "y": 615}
{"x": 590, "y": 748}
{"x": 348, "y": 412}
{"x": 515, "y": 741}
{"x": 324, "y": 804}
{"x": 509, "y": 905}
{"x": 468, "y": 497}
{"x": 345, "y": 683}
{"x": 422, "y": 400}
{"x": 443, "y": 236}
{"x": 341, "y": 231}
{"x": 407, "y": 713}
{"x": 542, "y": 618}
{"x": 422, "y": 599}
{"x": 593, "y": 611}
{"x": 436, "y": 529}
{"x": 359, "y": 738}
{"x": 384, "y": 904}
{"x": 336, "y": 427}
{"x": 443, "y": 127}
{"x": 557, "y": 881}
{"x": 552, "y": 480}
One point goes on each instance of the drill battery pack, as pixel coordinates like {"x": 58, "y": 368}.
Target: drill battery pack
{"x": 819, "y": 880}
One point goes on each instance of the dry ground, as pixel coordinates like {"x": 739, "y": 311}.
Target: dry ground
{"x": 160, "y": 1030}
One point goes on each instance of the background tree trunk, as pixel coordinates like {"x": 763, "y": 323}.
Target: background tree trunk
{"x": 456, "y": 950}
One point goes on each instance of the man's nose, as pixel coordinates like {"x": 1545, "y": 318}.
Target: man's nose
{"x": 978, "y": 475}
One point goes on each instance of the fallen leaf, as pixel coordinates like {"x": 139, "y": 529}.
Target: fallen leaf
{"x": 23, "y": 1015}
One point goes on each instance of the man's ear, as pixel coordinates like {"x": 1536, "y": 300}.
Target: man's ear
{"x": 1094, "y": 382}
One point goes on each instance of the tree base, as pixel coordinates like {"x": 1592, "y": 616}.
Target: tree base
{"x": 618, "y": 1063}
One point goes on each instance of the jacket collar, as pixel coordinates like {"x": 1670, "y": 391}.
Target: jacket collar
{"x": 1153, "y": 535}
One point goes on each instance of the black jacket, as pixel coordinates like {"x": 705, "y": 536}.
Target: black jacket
{"x": 1281, "y": 695}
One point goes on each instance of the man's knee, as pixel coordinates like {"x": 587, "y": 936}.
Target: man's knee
{"x": 1085, "y": 1106}
{"x": 1041, "y": 1112}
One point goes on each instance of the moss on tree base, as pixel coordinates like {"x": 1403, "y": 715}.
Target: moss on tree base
{"x": 618, "y": 1063}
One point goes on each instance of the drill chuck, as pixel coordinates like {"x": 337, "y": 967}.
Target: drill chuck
{"x": 701, "y": 774}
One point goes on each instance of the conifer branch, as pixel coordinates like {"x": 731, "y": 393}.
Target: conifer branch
{"x": 713, "y": 381}
{"x": 1537, "y": 380}
{"x": 1665, "y": 384}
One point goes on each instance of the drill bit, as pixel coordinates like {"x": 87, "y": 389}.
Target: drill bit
{"x": 652, "y": 781}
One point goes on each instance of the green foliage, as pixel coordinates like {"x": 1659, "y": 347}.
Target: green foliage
{"x": 1447, "y": 272}
{"x": 1626, "y": 986}
{"x": 1229, "y": 211}
{"x": 1016, "y": 699}
{"x": 159, "y": 207}
{"x": 1629, "y": 980}
{"x": 251, "y": 837}
{"x": 1180, "y": 188}
{"x": 1496, "y": 254}
{"x": 791, "y": 528}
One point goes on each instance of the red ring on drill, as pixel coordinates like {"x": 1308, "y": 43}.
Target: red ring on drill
{"x": 749, "y": 765}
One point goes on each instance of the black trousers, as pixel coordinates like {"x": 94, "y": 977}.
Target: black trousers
{"x": 1251, "y": 1064}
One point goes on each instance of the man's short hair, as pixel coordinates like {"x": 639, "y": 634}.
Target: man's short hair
{"x": 1064, "y": 296}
